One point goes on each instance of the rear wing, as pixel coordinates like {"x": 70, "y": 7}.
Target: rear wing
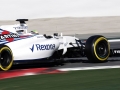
{"x": 22, "y": 21}
{"x": 22, "y": 26}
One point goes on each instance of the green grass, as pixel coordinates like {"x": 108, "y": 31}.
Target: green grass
{"x": 108, "y": 79}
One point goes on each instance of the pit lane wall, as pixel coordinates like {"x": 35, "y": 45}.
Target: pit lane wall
{"x": 67, "y": 16}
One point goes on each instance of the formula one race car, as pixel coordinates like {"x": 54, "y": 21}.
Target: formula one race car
{"x": 17, "y": 46}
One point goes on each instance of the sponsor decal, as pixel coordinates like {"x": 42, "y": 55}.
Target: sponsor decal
{"x": 39, "y": 47}
{"x": 6, "y": 35}
{"x": 40, "y": 36}
{"x": 21, "y": 27}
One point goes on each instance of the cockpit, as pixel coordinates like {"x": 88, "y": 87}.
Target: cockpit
{"x": 21, "y": 32}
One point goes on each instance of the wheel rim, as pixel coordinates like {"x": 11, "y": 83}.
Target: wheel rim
{"x": 101, "y": 49}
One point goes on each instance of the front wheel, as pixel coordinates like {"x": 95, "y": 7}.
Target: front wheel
{"x": 97, "y": 48}
{"x": 6, "y": 58}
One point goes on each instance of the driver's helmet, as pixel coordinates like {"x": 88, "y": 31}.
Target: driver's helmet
{"x": 34, "y": 32}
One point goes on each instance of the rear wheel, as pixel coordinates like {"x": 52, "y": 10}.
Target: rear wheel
{"x": 97, "y": 48}
{"x": 6, "y": 58}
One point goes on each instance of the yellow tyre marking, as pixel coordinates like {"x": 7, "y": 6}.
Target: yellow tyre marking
{"x": 9, "y": 66}
{"x": 99, "y": 39}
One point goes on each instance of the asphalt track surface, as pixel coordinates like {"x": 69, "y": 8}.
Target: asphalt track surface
{"x": 82, "y": 62}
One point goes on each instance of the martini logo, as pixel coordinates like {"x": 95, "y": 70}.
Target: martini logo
{"x": 8, "y": 36}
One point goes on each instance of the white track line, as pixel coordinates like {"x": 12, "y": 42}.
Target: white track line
{"x": 88, "y": 68}
{"x": 114, "y": 40}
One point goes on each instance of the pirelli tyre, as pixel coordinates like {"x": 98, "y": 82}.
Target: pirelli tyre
{"x": 6, "y": 58}
{"x": 97, "y": 48}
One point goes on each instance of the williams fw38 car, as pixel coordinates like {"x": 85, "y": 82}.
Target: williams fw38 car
{"x": 17, "y": 46}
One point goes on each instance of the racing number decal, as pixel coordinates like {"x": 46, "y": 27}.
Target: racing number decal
{"x": 42, "y": 47}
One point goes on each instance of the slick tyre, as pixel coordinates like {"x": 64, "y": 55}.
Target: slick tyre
{"x": 6, "y": 58}
{"x": 97, "y": 48}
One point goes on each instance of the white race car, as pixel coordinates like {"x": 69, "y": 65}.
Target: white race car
{"x": 17, "y": 46}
